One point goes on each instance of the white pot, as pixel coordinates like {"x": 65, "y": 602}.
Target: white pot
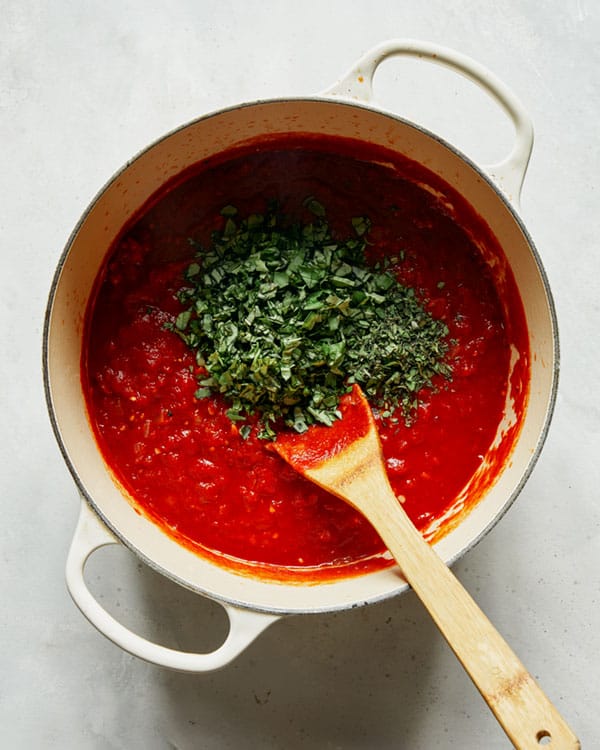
{"x": 107, "y": 517}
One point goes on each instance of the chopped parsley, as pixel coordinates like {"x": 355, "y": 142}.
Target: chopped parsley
{"x": 284, "y": 317}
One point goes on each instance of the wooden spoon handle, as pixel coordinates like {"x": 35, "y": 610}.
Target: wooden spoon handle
{"x": 528, "y": 717}
{"x": 354, "y": 470}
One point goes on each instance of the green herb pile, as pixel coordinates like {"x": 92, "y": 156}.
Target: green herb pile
{"x": 284, "y": 317}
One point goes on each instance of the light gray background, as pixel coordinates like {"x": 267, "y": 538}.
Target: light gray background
{"x": 84, "y": 86}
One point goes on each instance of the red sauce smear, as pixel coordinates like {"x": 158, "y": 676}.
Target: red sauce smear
{"x": 181, "y": 460}
{"x": 320, "y": 443}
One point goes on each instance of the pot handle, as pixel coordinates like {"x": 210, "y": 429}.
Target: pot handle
{"x": 244, "y": 624}
{"x": 358, "y": 84}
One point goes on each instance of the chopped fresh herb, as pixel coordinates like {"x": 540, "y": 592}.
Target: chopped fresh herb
{"x": 182, "y": 320}
{"x": 284, "y": 317}
{"x": 313, "y": 205}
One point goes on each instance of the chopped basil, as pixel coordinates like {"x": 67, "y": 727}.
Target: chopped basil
{"x": 284, "y": 317}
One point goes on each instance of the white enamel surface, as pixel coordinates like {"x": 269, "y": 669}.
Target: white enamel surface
{"x": 244, "y": 624}
{"x": 508, "y": 173}
{"x": 83, "y": 86}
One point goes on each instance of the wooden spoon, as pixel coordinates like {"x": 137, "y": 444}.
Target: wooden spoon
{"x": 346, "y": 459}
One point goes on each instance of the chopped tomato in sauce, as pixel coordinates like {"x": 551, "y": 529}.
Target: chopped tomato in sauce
{"x": 184, "y": 463}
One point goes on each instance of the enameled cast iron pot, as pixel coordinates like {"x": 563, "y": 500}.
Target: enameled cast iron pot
{"x": 107, "y": 517}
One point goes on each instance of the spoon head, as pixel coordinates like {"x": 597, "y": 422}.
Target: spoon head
{"x": 345, "y": 459}
{"x": 308, "y": 450}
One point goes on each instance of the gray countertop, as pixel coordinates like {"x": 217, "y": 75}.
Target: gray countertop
{"x": 86, "y": 85}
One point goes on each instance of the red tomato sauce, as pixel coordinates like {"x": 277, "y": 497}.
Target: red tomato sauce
{"x": 181, "y": 460}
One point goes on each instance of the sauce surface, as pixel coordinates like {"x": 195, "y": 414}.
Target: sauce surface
{"x": 184, "y": 463}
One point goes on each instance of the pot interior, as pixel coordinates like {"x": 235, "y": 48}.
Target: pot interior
{"x": 130, "y": 190}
